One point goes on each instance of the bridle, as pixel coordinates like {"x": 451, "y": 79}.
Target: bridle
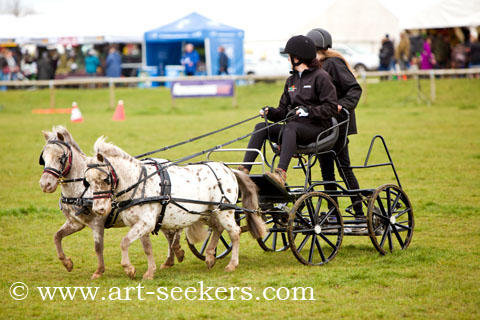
{"x": 66, "y": 161}
{"x": 111, "y": 179}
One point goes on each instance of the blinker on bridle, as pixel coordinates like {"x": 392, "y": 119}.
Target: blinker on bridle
{"x": 65, "y": 160}
{"x": 111, "y": 179}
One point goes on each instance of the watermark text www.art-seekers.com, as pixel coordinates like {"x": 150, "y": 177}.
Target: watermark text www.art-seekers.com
{"x": 199, "y": 292}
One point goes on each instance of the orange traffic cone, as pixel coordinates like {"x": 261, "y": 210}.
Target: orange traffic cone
{"x": 76, "y": 115}
{"x": 119, "y": 114}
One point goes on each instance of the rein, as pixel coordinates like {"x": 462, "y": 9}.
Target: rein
{"x": 169, "y": 164}
{"x": 196, "y": 138}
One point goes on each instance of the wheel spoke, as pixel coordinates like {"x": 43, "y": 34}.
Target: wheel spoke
{"x": 389, "y": 202}
{"x": 327, "y": 241}
{"x": 304, "y": 242}
{"x": 274, "y": 241}
{"x": 205, "y": 243}
{"x": 390, "y": 242}
{"x": 319, "y": 248}
{"x": 402, "y": 226}
{"x": 397, "y": 235}
{"x": 284, "y": 239}
{"x": 395, "y": 202}
{"x": 311, "y": 211}
{"x": 300, "y": 216}
{"x": 380, "y": 216}
{"x": 303, "y": 230}
{"x": 312, "y": 247}
{"x": 329, "y": 213}
{"x": 381, "y": 207}
{"x": 384, "y": 237}
{"x": 267, "y": 237}
{"x": 401, "y": 213}
{"x": 317, "y": 209}
{"x": 225, "y": 243}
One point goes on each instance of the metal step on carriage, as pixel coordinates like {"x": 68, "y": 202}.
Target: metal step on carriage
{"x": 307, "y": 219}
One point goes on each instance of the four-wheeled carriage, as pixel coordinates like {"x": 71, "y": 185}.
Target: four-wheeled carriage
{"x": 307, "y": 219}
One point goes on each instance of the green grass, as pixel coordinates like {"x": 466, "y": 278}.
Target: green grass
{"x": 436, "y": 151}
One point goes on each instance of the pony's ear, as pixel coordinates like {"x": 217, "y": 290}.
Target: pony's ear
{"x": 60, "y": 136}
{"x": 47, "y": 135}
{"x": 100, "y": 157}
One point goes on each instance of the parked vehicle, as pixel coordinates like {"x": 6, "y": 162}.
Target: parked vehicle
{"x": 358, "y": 59}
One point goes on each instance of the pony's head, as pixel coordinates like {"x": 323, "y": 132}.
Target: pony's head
{"x": 56, "y": 157}
{"x": 101, "y": 177}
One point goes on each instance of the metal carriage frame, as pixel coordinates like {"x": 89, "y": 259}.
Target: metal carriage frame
{"x": 309, "y": 221}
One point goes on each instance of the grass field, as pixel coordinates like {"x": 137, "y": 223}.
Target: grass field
{"x": 436, "y": 151}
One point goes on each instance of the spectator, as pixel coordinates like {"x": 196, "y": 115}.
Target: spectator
{"x": 113, "y": 64}
{"x": 402, "y": 52}
{"x": 428, "y": 59}
{"x": 12, "y": 68}
{"x": 222, "y": 61}
{"x": 91, "y": 63}
{"x": 63, "y": 68}
{"x": 44, "y": 66}
{"x": 441, "y": 50}
{"x": 3, "y": 66}
{"x": 386, "y": 54}
{"x": 190, "y": 59}
{"x": 29, "y": 67}
{"x": 474, "y": 53}
{"x": 459, "y": 56}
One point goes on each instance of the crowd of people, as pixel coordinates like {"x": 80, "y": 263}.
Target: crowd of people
{"x": 438, "y": 49}
{"x": 50, "y": 64}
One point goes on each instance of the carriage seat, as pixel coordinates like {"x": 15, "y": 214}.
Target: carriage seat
{"x": 322, "y": 144}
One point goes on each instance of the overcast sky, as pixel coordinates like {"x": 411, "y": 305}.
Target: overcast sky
{"x": 276, "y": 17}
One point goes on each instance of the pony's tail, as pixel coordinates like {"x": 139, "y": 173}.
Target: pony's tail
{"x": 197, "y": 232}
{"x": 255, "y": 223}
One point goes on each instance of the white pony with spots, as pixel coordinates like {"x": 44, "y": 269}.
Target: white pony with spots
{"x": 63, "y": 160}
{"x": 209, "y": 183}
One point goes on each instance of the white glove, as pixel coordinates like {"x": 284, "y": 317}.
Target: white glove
{"x": 301, "y": 112}
{"x": 263, "y": 112}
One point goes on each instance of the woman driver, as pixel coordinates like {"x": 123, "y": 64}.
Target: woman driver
{"x": 309, "y": 94}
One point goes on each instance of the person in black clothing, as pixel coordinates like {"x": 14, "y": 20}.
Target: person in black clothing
{"x": 222, "y": 61}
{"x": 474, "y": 53}
{"x": 309, "y": 95}
{"x": 348, "y": 94}
{"x": 386, "y": 54}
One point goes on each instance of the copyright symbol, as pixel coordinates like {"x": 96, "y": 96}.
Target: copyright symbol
{"x": 18, "y": 291}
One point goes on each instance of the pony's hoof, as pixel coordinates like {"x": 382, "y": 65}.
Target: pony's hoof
{"x": 166, "y": 266}
{"x": 148, "y": 276}
{"x": 230, "y": 268}
{"x": 210, "y": 262}
{"x": 96, "y": 276}
{"x": 131, "y": 272}
{"x": 180, "y": 255}
{"x": 68, "y": 263}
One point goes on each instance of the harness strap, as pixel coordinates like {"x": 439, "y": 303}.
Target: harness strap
{"x": 165, "y": 191}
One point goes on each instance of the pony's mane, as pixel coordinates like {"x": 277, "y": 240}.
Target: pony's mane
{"x": 110, "y": 150}
{"x": 68, "y": 137}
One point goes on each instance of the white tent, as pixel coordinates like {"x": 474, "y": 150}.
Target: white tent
{"x": 446, "y": 14}
{"x": 54, "y": 29}
{"x": 361, "y": 23}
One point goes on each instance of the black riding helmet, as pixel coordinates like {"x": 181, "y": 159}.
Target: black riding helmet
{"x": 301, "y": 47}
{"x": 321, "y": 38}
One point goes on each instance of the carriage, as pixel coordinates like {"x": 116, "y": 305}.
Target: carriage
{"x": 307, "y": 218}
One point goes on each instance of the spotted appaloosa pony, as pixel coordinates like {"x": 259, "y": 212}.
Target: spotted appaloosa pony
{"x": 203, "y": 182}
{"x": 64, "y": 160}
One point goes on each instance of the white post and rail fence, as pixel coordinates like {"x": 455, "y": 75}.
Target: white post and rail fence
{"x": 363, "y": 80}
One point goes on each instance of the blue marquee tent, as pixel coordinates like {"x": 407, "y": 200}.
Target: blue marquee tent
{"x": 164, "y": 45}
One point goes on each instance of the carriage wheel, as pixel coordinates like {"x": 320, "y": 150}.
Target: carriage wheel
{"x": 224, "y": 245}
{"x": 223, "y": 248}
{"x": 390, "y": 219}
{"x": 315, "y": 229}
{"x": 276, "y": 239}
